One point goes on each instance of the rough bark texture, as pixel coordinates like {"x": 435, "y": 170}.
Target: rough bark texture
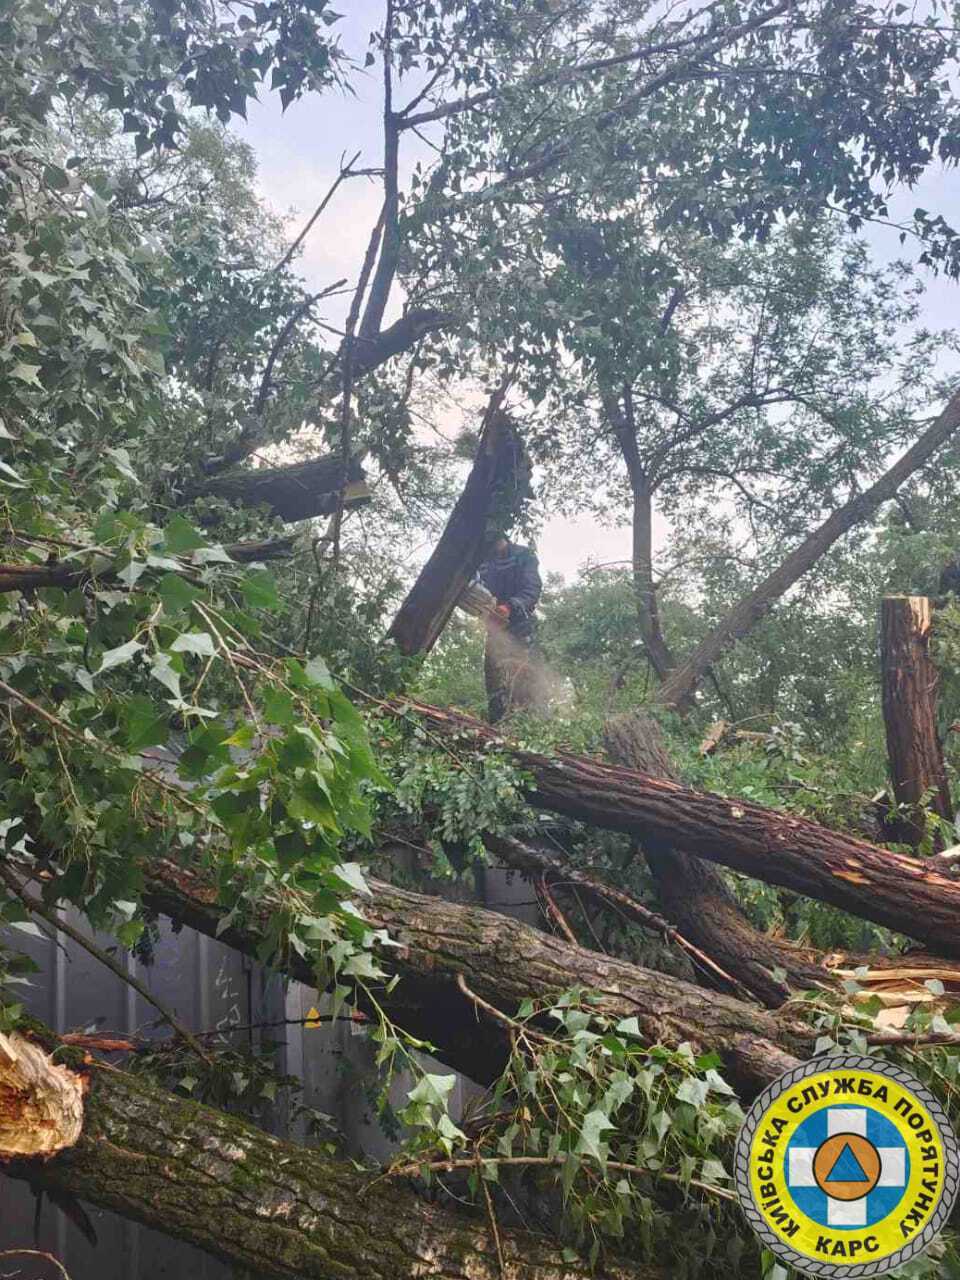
{"x": 402, "y": 335}
{"x": 498, "y": 479}
{"x": 648, "y": 610}
{"x": 693, "y": 894}
{"x": 681, "y": 685}
{"x": 503, "y": 962}
{"x": 910, "y": 684}
{"x": 901, "y": 892}
{"x": 297, "y": 492}
{"x": 269, "y": 1207}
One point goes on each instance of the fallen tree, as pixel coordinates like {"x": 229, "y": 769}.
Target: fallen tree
{"x": 498, "y": 481}
{"x": 66, "y": 575}
{"x": 693, "y": 893}
{"x": 503, "y": 963}
{"x": 267, "y": 1206}
{"x": 295, "y": 492}
{"x": 900, "y": 892}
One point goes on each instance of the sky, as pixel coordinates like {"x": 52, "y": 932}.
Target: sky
{"x": 299, "y": 155}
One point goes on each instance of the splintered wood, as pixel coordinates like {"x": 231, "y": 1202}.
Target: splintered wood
{"x": 41, "y": 1102}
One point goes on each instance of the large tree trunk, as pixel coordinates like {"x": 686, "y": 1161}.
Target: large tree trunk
{"x": 504, "y": 962}
{"x": 269, "y": 1207}
{"x": 296, "y": 492}
{"x": 680, "y": 686}
{"x": 900, "y": 892}
{"x": 648, "y": 611}
{"x": 693, "y": 894}
{"x": 498, "y": 480}
{"x": 910, "y": 685}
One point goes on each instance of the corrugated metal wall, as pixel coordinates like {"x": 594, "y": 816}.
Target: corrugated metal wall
{"x": 208, "y": 986}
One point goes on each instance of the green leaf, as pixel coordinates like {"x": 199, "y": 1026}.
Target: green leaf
{"x": 693, "y": 1091}
{"x": 176, "y": 594}
{"x": 180, "y": 536}
{"x": 145, "y": 725}
{"x": 117, "y": 657}
{"x": 163, "y": 670}
{"x": 278, "y": 708}
{"x": 260, "y": 590}
{"x": 352, "y": 876}
{"x": 590, "y": 1143}
{"x": 318, "y": 672}
{"x": 432, "y": 1090}
{"x": 309, "y": 802}
{"x": 198, "y": 642}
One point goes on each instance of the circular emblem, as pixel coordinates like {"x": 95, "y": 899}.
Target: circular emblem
{"x": 847, "y": 1166}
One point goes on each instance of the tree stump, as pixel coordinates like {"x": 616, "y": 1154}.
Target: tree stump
{"x": 910, "y": 695}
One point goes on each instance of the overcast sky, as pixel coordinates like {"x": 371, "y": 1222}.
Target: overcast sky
{"x": 299, "y": 156}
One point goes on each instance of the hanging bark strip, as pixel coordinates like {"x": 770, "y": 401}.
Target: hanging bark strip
{"x": 498, "y": 480}
{"x": 681, "y": 684}
{"x": 910, "y": 684}
{"x": 268, "y": 1207}
{"x": 895, "y": 890}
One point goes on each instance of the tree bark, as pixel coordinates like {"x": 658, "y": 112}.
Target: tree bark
{"x": 370, "y": 352}
{"x": 648, "y": 612}
{"x": 33, "y": 577}
{"x": 297, "y": 492}
{"x": 910, "y": 684}
{"x": 895, "y": 890}
{"x": 504, "y": 962}
{"x": 269, "y": 1207}
{"x": 498, "y": 479}
{"x": 679, "y": 688}
{"x": 693, "y": 893}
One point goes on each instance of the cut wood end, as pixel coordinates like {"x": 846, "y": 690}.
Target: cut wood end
{"x": 41, "y": 1102}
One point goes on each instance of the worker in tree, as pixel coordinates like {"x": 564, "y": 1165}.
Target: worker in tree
{"x": 511, "y": 666}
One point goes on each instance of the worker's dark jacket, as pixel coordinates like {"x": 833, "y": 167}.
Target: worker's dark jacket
{"x": 515, "y": 580}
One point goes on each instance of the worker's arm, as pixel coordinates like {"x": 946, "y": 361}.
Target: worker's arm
{"x": 528, "y": 593}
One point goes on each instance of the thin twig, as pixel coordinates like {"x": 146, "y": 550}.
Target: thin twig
{"x": 494, "y": 1229}
{"x": 922, "y": 1039}
{"x": 553, "y": 911}
{"x": 413, "y": 1169}
{"x": 346, "y": 171}
{"x": 347, "y": 382}
{"x": 499, "y": 1016}
{"x": 39, "y": 908}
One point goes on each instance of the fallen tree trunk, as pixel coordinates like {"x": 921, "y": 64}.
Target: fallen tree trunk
{"x": 679, "y": 687}
{"x": 296, "y": 492}
{"x": 505, "y": 962}
{"x": 269, "y": 1207}
{"x": 694, "y": 895}
{"x": 497, "y": 481}
{"x": 910, "y": 685}
{"x": 900, "y": 892}
{"x": 66, "y": 575}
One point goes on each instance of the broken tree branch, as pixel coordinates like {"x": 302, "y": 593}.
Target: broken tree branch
{"x": 892, "y": 889}
{"x": 680, "y": 686}
{"x": 498, "y": 480}
{"x": 269, "y": 1207}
